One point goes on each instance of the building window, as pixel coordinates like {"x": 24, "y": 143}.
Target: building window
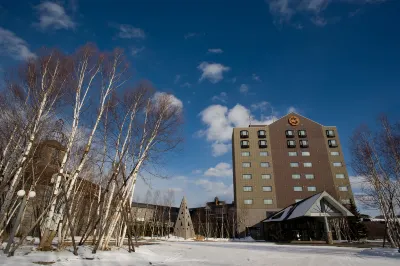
{"x": 262, "y": 143}
{"x": 345, "y": 201}
{"x": 248, "y": 201}
{"x": 304, "y": 143}
{"x": 244, "y": 134}
{"x": 334, "y": 153}
{"x": 247, "y": 188}
{"x": 289, "y": 133}
{"x": 266, "y": 176}
{"x": 330, "y": 133}
{"x": 246, "y": 165}
{"x": 293, "y": 153}
{"x": 268, "y": 201}
{"x": 337, "y": 164}
{"x": 246, "y": 176}
{"x": 302, "y": 133}
{"x": 297, "y": 200}
{"x": 264, "y": 164}
{"x": 294, "y": 164}
{"x": 343, "y": 188}
{"x": 297, "y": 188}
{"x": 295, "y": 176}
{"x": 244, "y": 143}
{"x": 291, "y": 144}
{"x": 307, "y": 164}
{"x": 340, "y": 176}
{"x": 309, "y": 176}
{"x": 263, "y": 153}
{"x": 305, "y": 153}
{"x": 245, "y": 153}
{"x": 262, "y": 134}
{"x": 267, "y": 189}
{"x": 311, "y": 188}
{"x": 332, "y": 143}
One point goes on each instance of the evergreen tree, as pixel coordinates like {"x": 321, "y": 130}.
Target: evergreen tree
{"x": 356, "y": 226}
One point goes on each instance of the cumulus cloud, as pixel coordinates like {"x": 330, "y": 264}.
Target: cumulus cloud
{"x": 220, "y": 121}
{"x": 126, "y": 31}
{"x": 215, "y": 188}
{"x": 212, "y": 71}
{"x": 215, "y": 51}
{"x": 53, "y": 16}
{"x": 220, "y": 170}
{"x": 14, "y": 46}
{"x": 220, "y": 97}
{"x": 174, "y": 101}
{"x": 284, "y": 11}
{"x": 244, "y": 88}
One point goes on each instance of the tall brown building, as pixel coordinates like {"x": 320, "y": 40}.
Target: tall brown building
{"x": 278, "y": 164}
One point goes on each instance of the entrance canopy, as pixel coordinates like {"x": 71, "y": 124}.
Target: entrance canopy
{"x": 318, "y": 205}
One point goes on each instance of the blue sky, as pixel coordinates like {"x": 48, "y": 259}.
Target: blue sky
{"x": 336, "y": 62}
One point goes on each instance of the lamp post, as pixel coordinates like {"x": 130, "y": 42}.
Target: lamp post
{"x": 24, "y": 199}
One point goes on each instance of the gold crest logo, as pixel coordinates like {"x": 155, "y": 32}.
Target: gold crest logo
{"x": 294, "y": 120}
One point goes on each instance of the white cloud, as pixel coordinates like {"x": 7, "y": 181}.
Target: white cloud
{"x": 221, "y": 97}
{"x": 219, "y": 148}
{"x": 220, "y": 170}
{"x": 14, "y": 46}
{"x": 262, "y": 106}
{"x": 212, "y": 71}
{"x": 186, "y": 85}
{"x": 135, "y": 50}
{"x": 215, "y": 188}
{"x": 256, "y": 77}
{"x": 197, "y": 171}
{"x": 215, "y": 51}
{"x": 244, "y": 88}
{"x": 177, "y": 78}
{"x": 174, "y": 101}
{"x": 220, "y": 121}
{"x": 292, "y": 109}
{"x": 53, "y": 15}
{"x": 192, "y": 35}
{"x": 285, "y": 10}
{"x": 129, "y": 32}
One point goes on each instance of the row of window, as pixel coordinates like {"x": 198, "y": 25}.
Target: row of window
{"x": 308, "y": 164}
{"x": 260, "y": 133}
{"x": 246, "y": 144}
{"x": 262, "y": 164}
{"x": 290, "y": 143}
{"x": 266, "y": 201}
{"x": 294, "y": 176}
{"x": 290, "y": 153}
{"x": 250, "y": 188}
{"x": 270, "y": 201}
{"x": 289, "y": 133}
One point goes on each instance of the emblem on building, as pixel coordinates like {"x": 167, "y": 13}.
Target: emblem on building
{"x": 294, "y": 120}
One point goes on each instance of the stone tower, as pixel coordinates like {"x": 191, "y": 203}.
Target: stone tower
{"x": 183, "y": 225}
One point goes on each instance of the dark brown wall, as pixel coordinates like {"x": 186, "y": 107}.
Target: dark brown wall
{"x": 281, "y": 160}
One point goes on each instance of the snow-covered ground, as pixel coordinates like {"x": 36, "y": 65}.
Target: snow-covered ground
{"x": 211, "y": 253}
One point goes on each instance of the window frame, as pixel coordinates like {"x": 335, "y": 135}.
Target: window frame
{"x": 294, "y": 188}
{"x": 244, "y": 136}
{"x": 262, "y": 136}
{"x": 251, "y": 176}
{"x": 304, "y": 143}
{"x": 248, "y": 200}
{"x": 266, "y": 163}
{"x": 270, "y": 201}
{"x": 264, "y": 152}
{"x": 331, "y": 145}
{"x": 291, "y": 145}
{"x": 269, "y": 176}
{"x": 330, "y": 135}
{"x": 307, "y": 164}
{"x": 245, "y": 155}
{"x": 270, "y": 188}
{"x": 292, "y": 152}
{"x": 302, "y": 136}
{"x": 289, "y": 135}
{"x": 346, "y": 190}
{"x": 246, "y": 163}
{"x": 335, "y": 153}
{"x": 242, "y": 145}
{"x": 260, "y": 145}
{"x": 250, "y": 189}
{"x": 305, "y": 152}
{"x": 342, "y": 176}
{"x": 337, "y": 164}
{"x": 294, "y": 163}
{"x": 307, "y": 176}
{"x": 297, "y": 175}
{"x": 315, "y": 188}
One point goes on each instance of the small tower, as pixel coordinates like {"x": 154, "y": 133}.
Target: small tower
{"x": 183, "y": 225}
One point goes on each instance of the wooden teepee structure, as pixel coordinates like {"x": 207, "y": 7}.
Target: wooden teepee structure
{"x": 183, "y": 225}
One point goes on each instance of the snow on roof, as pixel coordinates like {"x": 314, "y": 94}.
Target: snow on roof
{"x": 311, "y": 207}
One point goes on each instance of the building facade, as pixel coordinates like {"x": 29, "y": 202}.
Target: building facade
{"x": 278, "y": 164}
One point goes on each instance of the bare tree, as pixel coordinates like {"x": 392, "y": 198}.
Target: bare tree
{"x": 376, "y": 158}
